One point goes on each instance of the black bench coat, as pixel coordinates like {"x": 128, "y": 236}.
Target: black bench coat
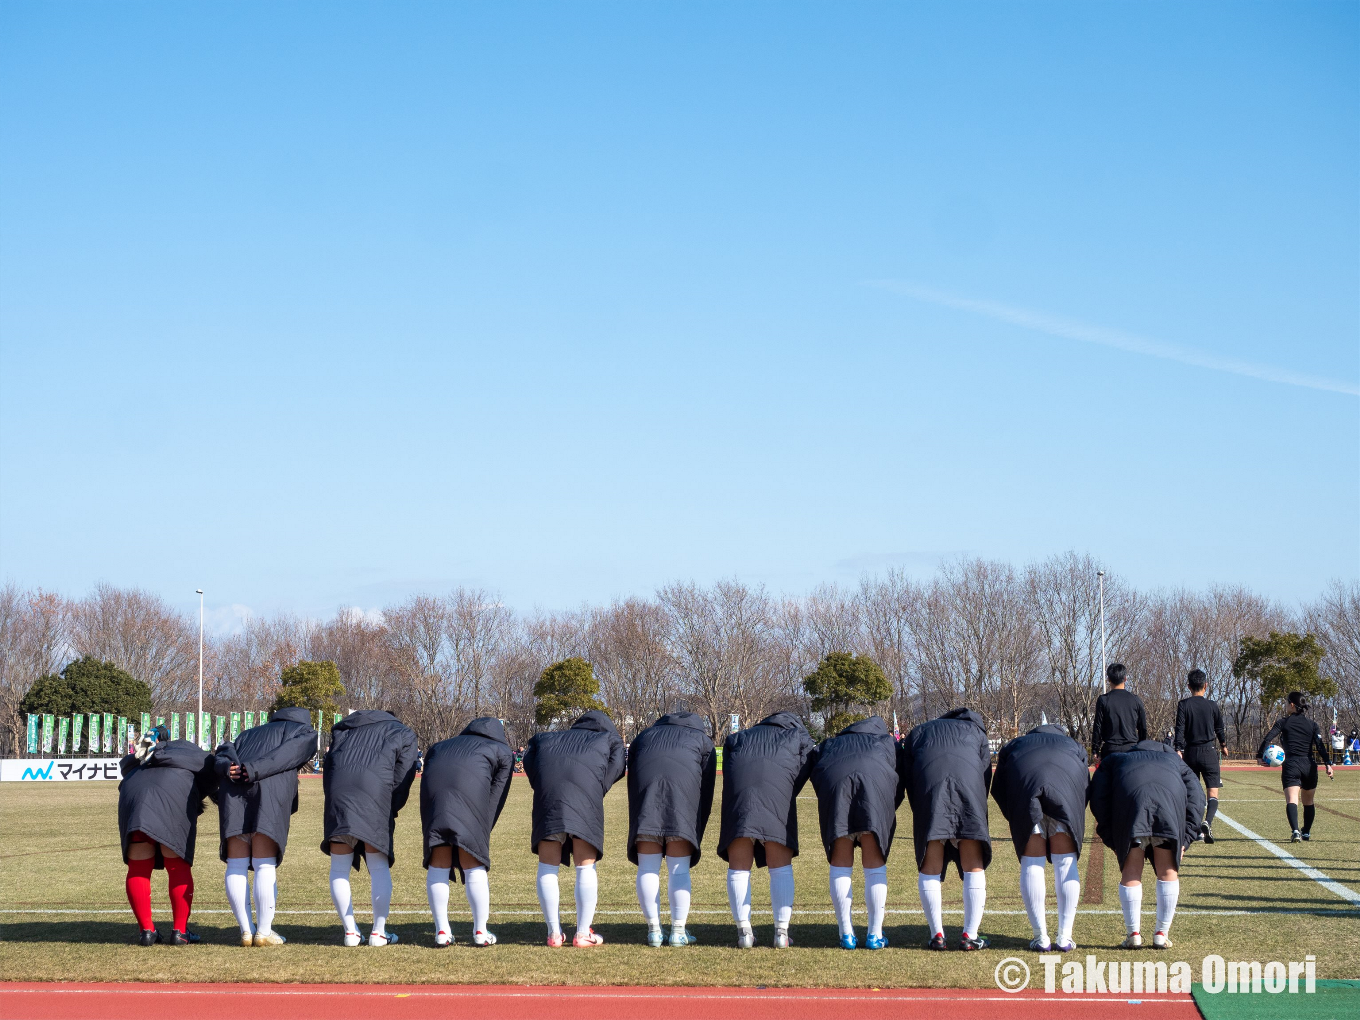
{"x": 367, "y": 777}
{"x": 1146, "y": 793}
{"x": 162, "y": 797}
{"x": 671, "y": 772}
{"x": 266, "y": 800}
{"x": 764, "y": 768}
{"x": 571, "y": 770}
{"x": 945, "y": 767}
{"x": 1042, "y": 772}
{"x": 463, "y": 789}
{"x": 855, "y": 776}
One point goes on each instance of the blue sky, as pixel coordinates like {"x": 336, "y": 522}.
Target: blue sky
{"x": 322, "y": 304}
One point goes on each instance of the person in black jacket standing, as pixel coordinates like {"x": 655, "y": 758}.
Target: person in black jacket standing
{"x": 259, "y": 795}
{"x": 1147, "y": 805}
{"x": 764, "y": 767}
{"x": 1121, "y": 720}
{"x": 858, "y": 792}
{"x": 945, "y": 767}
{"x": 1300, "y": 737}
{"x": 671, "y": 773}
{"x": 1040, "y": 785}
{"x": 159, "y": 800}
{"x": 462, "y": 793}
{"x": 571, "y": 770}
{"x": 368, "y": 774}
{"x": 1200, "y": 738}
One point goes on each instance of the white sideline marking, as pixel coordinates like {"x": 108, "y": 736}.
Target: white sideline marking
{"x": 858, "y": 912}
{"x": 597, "y": 993}
{"x": 1284, "y": 855}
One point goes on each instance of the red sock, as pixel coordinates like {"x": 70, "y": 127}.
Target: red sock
{"x": 181, "y": 878}
{"x": 139, "y": 890}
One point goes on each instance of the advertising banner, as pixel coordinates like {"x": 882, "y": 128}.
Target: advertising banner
{"x": 221, "y": 732}
{"x": 63, "y": 733}
{"x": 108, "y": 740}
{"x": 48, "y": 770}
{"x": 248, "y": 720}
{"x": 48, "y": 722}
{"x": 174, "y": 725}
{"x": 235, "y": 725}
{"x": 120, "y": 736}
{"x": 32, "y": 733}
{"x": 77, "y": 725}
{"x": 95, "y": 746}
{"x": 146, "y": 723}
{"x": 205, "y": 731}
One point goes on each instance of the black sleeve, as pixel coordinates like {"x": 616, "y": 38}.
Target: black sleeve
{"x": 1098, "y": 794}
{"x": 707, "y": 783}
{"x": 407, "y": 756}
{"x": 126, "y": 764}
{"x": 1219, "y": 731}
{"x": 1321, "y": 742}
{"x": 1142, "y": 721}
{"x": 617, "y": 762}
{"x": 1098, "y": 726}
{"x": 1179, "y": 742}
{"x": 289, "y": 756}
{"x": 1269, "y": 738}
{"x": 1194, "y": 803}
{"x": 807, "y": 752}
{"x": 500, "y": 782}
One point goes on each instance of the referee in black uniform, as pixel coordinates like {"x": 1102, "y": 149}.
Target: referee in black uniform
{"x": 1121, "y": 720}
{"x": 1199, "y": 740}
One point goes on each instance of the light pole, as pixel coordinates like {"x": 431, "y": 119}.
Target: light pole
{"x": 1100, "y": 578}
{"x": 199, "y": 726}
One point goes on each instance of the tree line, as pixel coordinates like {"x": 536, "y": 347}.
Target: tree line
{"x": 1015, "y": 644}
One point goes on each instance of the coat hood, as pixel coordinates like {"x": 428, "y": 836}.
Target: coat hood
{"x": 784, "y": 720}
{"x": 690, "y": 719}
{"x": 295, "y": 715}
{"x": 1151, "y": 745}
{"x": 366, "y": 717}
{"x": 966, "y": 714}
{"x": 486, "y": 726}
{"x": 595, "y": 720}
{"x": 1056, "y": 731}
{"x": 874, "y": 724}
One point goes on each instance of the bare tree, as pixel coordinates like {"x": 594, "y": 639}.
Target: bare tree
{"x": 478, "y": 626}
{"x": 1335, "y": 618}
{"x": 888, "y": 608}
{"x": 34, "y": 629}
{"x": 627, "y": 645}
{"x": 138, "y": 632}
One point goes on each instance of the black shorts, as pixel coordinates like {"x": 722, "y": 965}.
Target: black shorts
{"x": 1299, "y": 773}
{"x": 1203, "y": 762}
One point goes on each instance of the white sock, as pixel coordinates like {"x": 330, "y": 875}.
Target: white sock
{"x": 1131, "y": 902}
{"x": 876, "y": 897}
{"x": 380, "y": 893}
{"x": 437, "y": 892}
{"x": 1067, "y": 891}
{"x": 266, "y": 875}
{"x": 341, "y": 895}
{"x": 842, "y": 895}
{"x": 1167, "y": 895}
{"x": 974, "y": 899}
{"x": 678, "y": 889}
{"x": 238, "y": 892}
{"x": 587, "y": 893}
{"x": 477, "y": 887}
{"x": 928, "y": 886}
{"x": 548, "y": 897}
{"x": 649, "y": 889}
{"x": 781, "y": 895}
{"x": 1033, "y": 890}
{"x": 739, "y": 896}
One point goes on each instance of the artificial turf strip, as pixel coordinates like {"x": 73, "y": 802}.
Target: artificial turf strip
{"x": 60, "y": 854}
{"x": 1333, "y": 1000}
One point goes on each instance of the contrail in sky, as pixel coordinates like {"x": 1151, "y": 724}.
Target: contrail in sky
{"x": 1070, "y": 329}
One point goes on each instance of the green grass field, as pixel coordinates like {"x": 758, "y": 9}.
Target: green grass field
{"x": 65, "y": 918}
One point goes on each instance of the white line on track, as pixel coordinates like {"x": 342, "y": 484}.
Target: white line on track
{"x": 859, "y": 912}
{"x": 1284, "y": 855}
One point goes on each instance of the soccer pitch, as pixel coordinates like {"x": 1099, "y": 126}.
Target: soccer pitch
{"x": 64, "y": 915}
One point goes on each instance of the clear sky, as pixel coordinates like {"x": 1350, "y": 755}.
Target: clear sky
{"x": 321, "y": 304}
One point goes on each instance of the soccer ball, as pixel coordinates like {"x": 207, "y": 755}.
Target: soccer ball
{"x": 1274, "y": 754}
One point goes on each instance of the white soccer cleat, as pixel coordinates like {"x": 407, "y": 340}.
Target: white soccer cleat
{"x": 1040, "y": 946}
{"x": 781, "y": 938}
{"x": 1134, "y": 941}
{"x": 443, "y": 938}
{"x": 353, "y": 938}
{"x": 746, "y": 938}
{"x": 1160, "y": 940}
{"x": 389, "y": 939}
{"x": 483, "y": 938}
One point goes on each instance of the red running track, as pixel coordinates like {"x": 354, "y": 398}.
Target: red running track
{"x": 61, "y": 1001}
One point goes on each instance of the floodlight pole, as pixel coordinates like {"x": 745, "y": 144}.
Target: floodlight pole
{"x": 1100, "y": 576}
{"x": 199, "y": 725}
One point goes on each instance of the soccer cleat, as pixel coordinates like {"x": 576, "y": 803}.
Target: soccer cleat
{"x": 183, "y": 938}
{"x": 247, "y": 939}
{"x": 385, "y": 939}
{"x": 353, "y": 938}
{"x": 1207, "y": 831}
{"x": 269, "y": 938}
{"x": 1296, "y": 836}
{"x": 1306, "y": 836}
{"x": 149, "y": 937}
{"x": 746, "y": 938}
{"x": 585, "y": 941}
{"x": 782, "y": 939}
{"x": 1133, "y": 941}
{"x": 875, "y": 942}
{"x": 849, "y": 941}
{"x": 556, "y": 939}
{"x": 680, "y": 937}
{"x": 1040, "y": 946}
{"x": 967, "y": 945}
{"x": 483, "y": 938}
{"x": 1160, "y": 940}
{"x": 655, "y": 939}
{"x": 442, "y": 939}
{"x": 937, "y": 943}
{"x": 1064, "y": 947}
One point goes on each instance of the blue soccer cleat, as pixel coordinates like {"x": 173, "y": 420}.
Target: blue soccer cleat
{"x": 848, "y": 941}
{"x": 875, "y": 942}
